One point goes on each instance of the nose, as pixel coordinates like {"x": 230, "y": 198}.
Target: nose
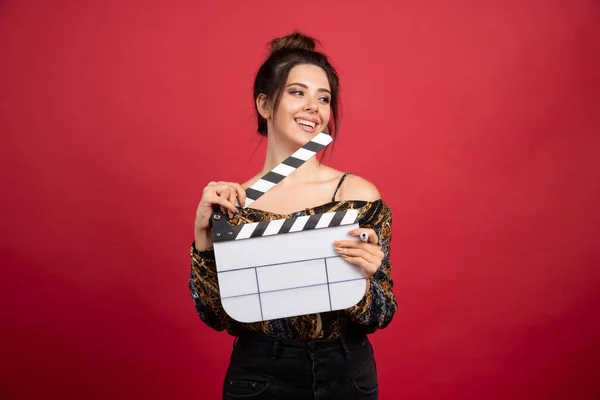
{"x": 311, "y": 106}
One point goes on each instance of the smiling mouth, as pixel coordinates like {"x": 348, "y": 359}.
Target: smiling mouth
{"x": 306, "y": 124}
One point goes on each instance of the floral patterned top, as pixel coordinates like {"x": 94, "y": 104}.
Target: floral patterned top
{"x": 374, "y": 311}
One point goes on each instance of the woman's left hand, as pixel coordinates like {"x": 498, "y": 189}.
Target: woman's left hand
{"x": 367, "y": 255}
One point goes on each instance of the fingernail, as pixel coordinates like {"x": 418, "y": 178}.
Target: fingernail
{"x": 337, "y": 243}
{"x": 338, "y": 249}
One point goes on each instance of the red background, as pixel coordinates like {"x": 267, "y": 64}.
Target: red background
{"x": 478, "y": 121}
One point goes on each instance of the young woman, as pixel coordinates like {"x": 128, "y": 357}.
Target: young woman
{"x": 316, "y": 356}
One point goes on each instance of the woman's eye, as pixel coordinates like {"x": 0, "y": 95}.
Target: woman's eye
{"x": 325, "y": 100}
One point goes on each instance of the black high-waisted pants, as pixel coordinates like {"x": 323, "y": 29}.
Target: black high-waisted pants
{"x": 265, "y": 368}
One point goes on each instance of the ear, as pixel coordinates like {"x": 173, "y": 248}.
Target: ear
{"x": 263, "y": 106}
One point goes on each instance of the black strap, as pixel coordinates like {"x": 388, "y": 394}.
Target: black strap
{"x": 340, "y": 184}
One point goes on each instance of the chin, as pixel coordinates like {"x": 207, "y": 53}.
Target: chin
{"x": 307, "y": 135}
{"x": 298, "y": 136}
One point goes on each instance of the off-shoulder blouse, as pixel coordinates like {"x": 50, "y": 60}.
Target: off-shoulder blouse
{"x": 374, "y": 311}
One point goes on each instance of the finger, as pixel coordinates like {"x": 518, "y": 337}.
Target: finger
{"x": 368, "y": 264}
{"x": 370, "y": 258}
{"x": 353, "y": 260}
{"x": 371, "y": 235}
{"x": 216, "y": 188}
{"x": 232, "y": 198}
{"x": 241, "y": 193}
{"x": 367, "y": 269}
{"x": 224, "y": 203}
{"x": 221, "y": 191}
{"x": 215, "y": 193}
{"x": 229, "y": 195}
{"x": 224, "y": 193}
{"x": 372, "y": 249}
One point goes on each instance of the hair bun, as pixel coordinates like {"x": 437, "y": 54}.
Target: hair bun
{"x": 295, "y": 40}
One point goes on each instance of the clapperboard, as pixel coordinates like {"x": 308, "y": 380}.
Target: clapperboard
{"x": 286, "y": 267}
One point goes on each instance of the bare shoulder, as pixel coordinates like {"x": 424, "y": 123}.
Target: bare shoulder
{"x": 358, "y": 188}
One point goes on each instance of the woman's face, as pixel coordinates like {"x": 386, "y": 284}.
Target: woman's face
{"x": 304, "y": 108}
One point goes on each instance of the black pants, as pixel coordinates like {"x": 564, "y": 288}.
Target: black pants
{"x": 264, "y": 368}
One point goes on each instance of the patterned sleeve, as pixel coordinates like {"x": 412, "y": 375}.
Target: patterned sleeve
{"x": 204, "y": 288}
{"x": 378, "y": 306}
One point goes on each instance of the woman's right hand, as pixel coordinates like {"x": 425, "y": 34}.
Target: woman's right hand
{"x": 223, "y": 194}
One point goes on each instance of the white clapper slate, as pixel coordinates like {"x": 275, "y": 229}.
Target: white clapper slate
{"x": 286, "y": 267}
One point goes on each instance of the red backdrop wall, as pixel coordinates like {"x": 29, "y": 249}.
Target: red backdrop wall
{"x": 478, "y": 121}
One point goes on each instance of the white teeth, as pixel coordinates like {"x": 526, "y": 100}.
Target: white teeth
{"x": 305, "y": 122}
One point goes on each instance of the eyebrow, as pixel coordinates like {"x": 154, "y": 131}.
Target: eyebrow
{"x": 306, "y": 87}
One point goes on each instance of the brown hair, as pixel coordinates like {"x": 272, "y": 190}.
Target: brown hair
{"x": 285, "y": 53}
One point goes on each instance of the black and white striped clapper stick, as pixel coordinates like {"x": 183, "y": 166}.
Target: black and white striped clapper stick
{"x": 289, "y": 165}
{"x": 224, "y": 232}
